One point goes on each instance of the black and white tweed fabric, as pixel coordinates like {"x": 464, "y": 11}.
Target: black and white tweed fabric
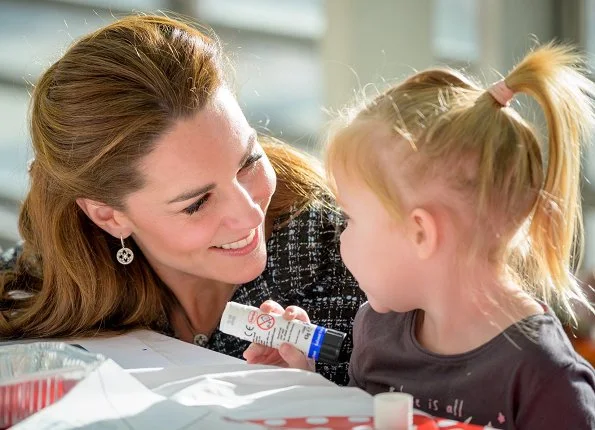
{"x": 304, "y": 268}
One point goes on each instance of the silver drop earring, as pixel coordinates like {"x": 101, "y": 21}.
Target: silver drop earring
{"x": 124, "y": 255}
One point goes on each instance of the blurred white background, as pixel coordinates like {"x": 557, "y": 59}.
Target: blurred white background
{"x": 294, "y": 58}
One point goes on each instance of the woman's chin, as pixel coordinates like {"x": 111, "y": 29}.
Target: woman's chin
{"x": 246, "y": 273}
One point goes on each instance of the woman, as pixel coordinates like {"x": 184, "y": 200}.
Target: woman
{"x": 153, "y": 202}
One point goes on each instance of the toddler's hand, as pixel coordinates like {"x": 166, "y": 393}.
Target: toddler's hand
{"x": 287, "y": 355}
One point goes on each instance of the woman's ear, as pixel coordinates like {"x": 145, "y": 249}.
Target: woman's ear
{"x": 423, "y": 232}
{"x": 105, "y": 217}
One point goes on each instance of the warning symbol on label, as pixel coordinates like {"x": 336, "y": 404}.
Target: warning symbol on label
{"x": 265, "y": 322}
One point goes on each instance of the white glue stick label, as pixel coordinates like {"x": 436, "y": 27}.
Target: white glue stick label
{"x": 251, "y": 324}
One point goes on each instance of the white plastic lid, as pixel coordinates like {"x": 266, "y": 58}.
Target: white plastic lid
{"x": 393, "y": 411}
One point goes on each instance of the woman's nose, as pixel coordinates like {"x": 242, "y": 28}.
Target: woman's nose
{"x": 243, "y": 211}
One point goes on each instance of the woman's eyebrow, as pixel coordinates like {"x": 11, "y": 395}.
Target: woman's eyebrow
{"x": 187, "y": 195}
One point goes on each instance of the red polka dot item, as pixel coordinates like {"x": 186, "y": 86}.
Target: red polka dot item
{"x": 421, "y": 422}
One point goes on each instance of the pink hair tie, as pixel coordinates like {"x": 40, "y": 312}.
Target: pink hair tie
{"x": 501, "y": 93}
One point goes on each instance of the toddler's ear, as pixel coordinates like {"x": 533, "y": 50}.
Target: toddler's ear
{"x": 422, "y": 232}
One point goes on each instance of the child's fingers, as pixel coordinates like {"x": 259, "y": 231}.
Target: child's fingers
{"x": 273, "y": 359}
{"x": 254, "y": 351}
{"x": 271, "y": 306}
{"x": 259, "y": 354}
{"x": 295, "y": 312}
{"x": 295, "y": 358}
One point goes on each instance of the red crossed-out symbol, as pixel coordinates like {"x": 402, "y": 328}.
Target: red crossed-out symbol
{"x": 265, "y": 321}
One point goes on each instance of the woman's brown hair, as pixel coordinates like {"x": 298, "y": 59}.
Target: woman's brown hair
{"x": 95, "y": 113}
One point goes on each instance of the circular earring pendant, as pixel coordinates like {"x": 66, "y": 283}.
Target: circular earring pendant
{"x": 125, "y": 256}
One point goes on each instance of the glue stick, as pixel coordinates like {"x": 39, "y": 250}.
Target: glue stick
{"x": 251, "y": 324}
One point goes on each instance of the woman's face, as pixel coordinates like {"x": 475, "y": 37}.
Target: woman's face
{"x": 208, "y": 187}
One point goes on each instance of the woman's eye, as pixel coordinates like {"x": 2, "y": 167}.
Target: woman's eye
{"x": 251, "y": 160}
{"x": 197, "y": 205}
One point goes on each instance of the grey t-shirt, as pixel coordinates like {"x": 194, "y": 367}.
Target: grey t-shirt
{"x": 511, "y": 382}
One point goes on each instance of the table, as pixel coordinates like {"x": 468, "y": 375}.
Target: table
{"x": 141, "y": 349}
{"x": 154, "y": 381}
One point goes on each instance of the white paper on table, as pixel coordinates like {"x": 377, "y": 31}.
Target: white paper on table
{"x": 196, "y": 397}
{"x": 178, "y": 377}
{"x": 110, "y": 398}
{"x": 228, "y": 395}
{"x": 257, "y": 393}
